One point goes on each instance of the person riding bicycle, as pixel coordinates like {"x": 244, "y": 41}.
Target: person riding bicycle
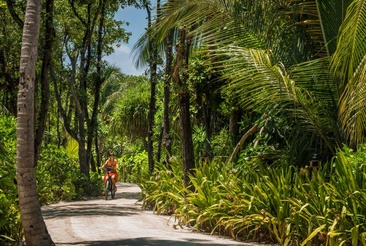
{"x": 113, "y": 165}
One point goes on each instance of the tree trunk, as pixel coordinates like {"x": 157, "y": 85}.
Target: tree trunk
{"x": 35, "y": 231}
{"x": 179, "y": 77}
{"x": 234, "y": 125}
{"x": 93, "y": 126}
{"x": 165, "y": 134}
{"x": 168, "y": 70}
{"x": 45, "y": 90}
{"x": 207, "y": 121}
{"x": 153, "y": 82}
{"x": 241, "y": 142}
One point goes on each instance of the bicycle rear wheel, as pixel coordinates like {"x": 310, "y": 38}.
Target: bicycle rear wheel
{"x": 107, "y": 188}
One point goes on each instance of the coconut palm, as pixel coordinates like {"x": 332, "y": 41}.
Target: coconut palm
{"x": 302, "y": 61}
{"x": 35, "y": 231}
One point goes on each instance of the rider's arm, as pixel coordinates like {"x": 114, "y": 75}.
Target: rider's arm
{"x": 102, "y": 166}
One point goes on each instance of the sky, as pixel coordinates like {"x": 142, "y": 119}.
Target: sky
{"x": 137, "y": 24}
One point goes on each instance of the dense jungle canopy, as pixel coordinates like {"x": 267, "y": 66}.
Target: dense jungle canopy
{"x": 249, "y": 120}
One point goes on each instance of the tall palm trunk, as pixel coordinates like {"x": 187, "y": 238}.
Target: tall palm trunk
{"x": 179, "y": 77}
{"x": 152, "y": 104}
{"x": 35, "y": 230}
{"x": 164, "y": 138}
{"x": 153, "y": 82}
{"x": 168, "y": 69}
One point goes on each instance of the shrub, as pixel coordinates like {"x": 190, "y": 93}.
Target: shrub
{"x": 10, "y": 223}
{"x": 56, "y": 175}
{"x": 134, "y": 166}
{"x": 274, "y": 203}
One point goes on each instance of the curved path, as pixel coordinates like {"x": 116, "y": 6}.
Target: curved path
{"x": 120, "y": 221}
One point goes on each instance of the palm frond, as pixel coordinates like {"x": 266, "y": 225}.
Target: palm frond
{"x": 351, "y": 47}
{"x": 331, "y": 15}
{"x": 352, "y": 108}
{"x": 349, "y": 64}
{"x": 260, "y": 85}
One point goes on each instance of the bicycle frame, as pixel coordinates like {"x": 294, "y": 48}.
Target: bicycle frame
{"x": 109, "y": 184}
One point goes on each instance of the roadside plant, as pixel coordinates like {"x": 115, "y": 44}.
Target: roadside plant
{"x": 134, "y": 165}
{"x": 286, "y": 205}
{"x": 56, "y": 175}
{"x": 10, "y": 223}
{"x": 164, "y": 191}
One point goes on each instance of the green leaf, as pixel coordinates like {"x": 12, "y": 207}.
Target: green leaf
{"x": 313, "y": 234}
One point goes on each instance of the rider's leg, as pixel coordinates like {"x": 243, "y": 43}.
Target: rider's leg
{"x": 104, "y": 178}
{"x": 114, "y": 182}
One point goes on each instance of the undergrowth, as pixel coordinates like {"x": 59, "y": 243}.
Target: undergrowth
{"x": 280, "y": 204}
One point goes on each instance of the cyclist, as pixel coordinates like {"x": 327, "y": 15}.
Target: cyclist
{"x": 113, "y": 165}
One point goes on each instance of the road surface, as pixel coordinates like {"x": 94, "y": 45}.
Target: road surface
{"x": 120, "y": 221}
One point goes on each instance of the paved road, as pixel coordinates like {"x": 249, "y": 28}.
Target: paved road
{"x": 120, "y": 221}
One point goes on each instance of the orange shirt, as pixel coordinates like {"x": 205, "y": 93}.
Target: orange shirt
{"x": 109, "y": 164}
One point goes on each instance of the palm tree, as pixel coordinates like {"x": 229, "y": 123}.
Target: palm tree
{"x": 179, "y": 76}
{"x": 302, "y": 61}
{"x": 124, "y": 105}
{"x": 35, "y": 231}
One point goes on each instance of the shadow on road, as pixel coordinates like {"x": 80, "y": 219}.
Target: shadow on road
{"x": 82, "y": 223}
{"x": 88, "y": 210}
{"x": 128, "y": 195}
{"x": 151, "y": 242}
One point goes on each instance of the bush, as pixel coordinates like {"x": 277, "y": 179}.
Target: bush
{"x": 274, "y": 203}
{"x": 10, "y": 223}
{"x": 56, "y": 174}
{"x": 134, "y": 166}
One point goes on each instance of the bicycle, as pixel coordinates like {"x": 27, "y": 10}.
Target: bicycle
{"x": 109, "y": 187}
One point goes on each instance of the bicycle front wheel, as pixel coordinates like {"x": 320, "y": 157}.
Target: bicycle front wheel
{"x": 107, "y": 185}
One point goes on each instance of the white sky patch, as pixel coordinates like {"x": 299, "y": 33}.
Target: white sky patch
{"x": 121, "y": 58}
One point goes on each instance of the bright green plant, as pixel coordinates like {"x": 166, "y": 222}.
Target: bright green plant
{"x": 59, "y": 178}
{"x": 275, "y": 203}
{"x": 56, "y": 175}
{"x": 332, "y": 211}
{"x": 221, "y": 144}
{"x": 348, "y": 190}
{"x": 164, "y": 191}
{"x": 10, "y": 223}
{"x": 133, "y": 165}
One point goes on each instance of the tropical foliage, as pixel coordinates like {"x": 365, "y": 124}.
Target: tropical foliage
{"x": 283, "y": 205}
{"x": 10, "y": 223}
{"x": 297, "y": 66}
{"x": 249, "y": 92}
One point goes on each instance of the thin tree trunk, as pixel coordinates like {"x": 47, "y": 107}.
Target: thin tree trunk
{"x": 82, "y": 97}
{"x": 261, "y": 131}
{"x": 153, "y": 82}
{"x": 234, "y": 126}
{"x": 168, "y": 70}
{"x": 93, "y": 126}
{"x": 35, "y": 230}
{"x": 241, "y": 142}
{"x": 165, "y": 139}
{"x": 179, "y": 77}
{"x": 207, "y": 122}
{"x": 45, "y": 90}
